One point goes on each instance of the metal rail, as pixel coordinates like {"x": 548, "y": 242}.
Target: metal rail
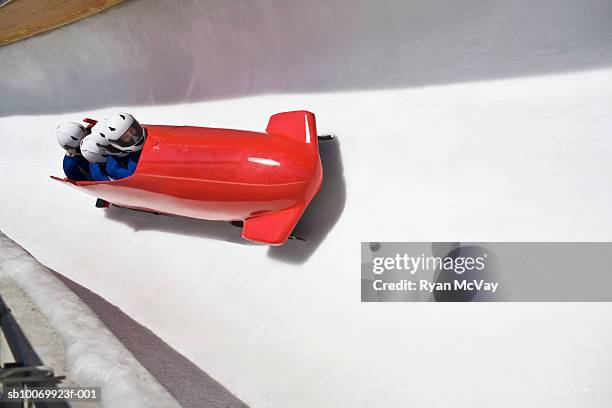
{"x": 28, "y": 369}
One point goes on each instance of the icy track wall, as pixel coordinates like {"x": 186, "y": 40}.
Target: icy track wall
{"x": 154, "y": 52}
{"x": 456, "y": 121}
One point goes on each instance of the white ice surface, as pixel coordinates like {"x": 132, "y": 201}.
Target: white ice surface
{"x": 519, "y": 158}
{"x": 94, "y": 356}
{"x": 524, "y": 159}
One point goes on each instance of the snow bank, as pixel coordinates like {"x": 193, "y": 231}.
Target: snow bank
{"x": 94, "y": 357}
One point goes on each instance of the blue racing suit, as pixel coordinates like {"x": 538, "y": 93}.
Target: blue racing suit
{"x": 98, "y": 172}
{"x": 76, "y": 168}
{"x": 122, "y": 167}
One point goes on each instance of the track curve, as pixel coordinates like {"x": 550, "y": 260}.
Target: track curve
{"x": 459, "y": 122}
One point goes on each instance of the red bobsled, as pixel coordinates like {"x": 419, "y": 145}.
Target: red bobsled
{"x": 264, "y": 179}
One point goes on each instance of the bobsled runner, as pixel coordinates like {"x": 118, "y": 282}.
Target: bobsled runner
{"x": 264, "y": 180}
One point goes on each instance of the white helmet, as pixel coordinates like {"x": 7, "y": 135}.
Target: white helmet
{"x": 95, "y": 129}
{"x": 122, "y": 132}
{"x": 91, "y": 151}
{"x": 99, "y": 133}
{"x": 69, "y": 136}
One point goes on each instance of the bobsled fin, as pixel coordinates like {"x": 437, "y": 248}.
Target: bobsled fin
{"x": 273, "y": 228}
{"x": 297, "y": 125}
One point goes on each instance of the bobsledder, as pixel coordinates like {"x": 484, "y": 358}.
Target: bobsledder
{"x": 263, "y": 180}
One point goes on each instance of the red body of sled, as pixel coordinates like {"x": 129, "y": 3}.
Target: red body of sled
{"x": 265, "y": 179}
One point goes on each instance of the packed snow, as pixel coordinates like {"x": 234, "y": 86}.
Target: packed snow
{"x": 94, "y": 357}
